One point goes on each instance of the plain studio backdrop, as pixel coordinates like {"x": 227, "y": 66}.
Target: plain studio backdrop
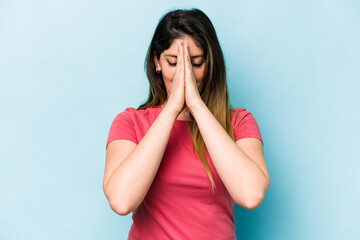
{"x": 67, "y": 68}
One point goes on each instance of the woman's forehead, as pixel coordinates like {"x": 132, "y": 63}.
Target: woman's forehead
{"x": 194, "y": 50}
{"x": 192, "y": 57}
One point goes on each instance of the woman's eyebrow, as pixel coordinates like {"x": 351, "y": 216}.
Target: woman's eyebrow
{"x": 175, "y": 56}
{"x": 196, "y": 56}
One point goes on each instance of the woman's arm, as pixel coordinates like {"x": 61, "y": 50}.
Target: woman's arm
{"x": 130, "y": 169}
{"x": 241, "y": 165}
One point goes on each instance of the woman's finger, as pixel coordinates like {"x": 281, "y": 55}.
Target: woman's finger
{"x": 181, "y": 57}
{"x": 188, "y": 65}
{"x": 178, "y": 57}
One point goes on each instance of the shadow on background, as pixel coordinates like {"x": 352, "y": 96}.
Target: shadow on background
{"x": 273, "y": 219}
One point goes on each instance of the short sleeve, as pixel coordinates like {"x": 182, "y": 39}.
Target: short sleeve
{"x": 123, "y": 127}
{"x": 245, "y": 125}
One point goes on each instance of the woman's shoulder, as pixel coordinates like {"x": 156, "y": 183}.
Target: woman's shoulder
{"x": 238, "y": 109}
{"x": 241, "y": 115}
{"x": 145, "y": 113}
{"x": 239, "y": 112}
{"x": 244, "y": 124}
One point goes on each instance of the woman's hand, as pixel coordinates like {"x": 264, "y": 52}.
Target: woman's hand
{"x": 184, "y": 91}
{"x": 192, "y": 95}
{"x": 176, "y": 98}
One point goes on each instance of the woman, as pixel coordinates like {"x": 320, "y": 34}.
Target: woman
{"x": 181, "y": 160}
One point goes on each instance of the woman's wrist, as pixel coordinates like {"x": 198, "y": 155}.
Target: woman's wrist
{"x": 170, "y": 112}
{"x": 197, "y": 106}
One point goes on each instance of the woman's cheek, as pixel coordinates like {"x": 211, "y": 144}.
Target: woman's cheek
{"x": 168, "y": 81}
{"x": 199, "y": 77}
{"x": 169, "y": 75}
{"x": 199, "y": 74}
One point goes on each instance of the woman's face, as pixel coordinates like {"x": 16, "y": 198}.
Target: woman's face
{"x": 168, "y": 59}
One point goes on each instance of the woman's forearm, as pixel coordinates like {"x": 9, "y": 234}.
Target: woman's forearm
{"x": 131, "y": 180}
{"x": 242, "y": 177}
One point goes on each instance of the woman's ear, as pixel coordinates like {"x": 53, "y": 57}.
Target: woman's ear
{"x": 157, "y": 63}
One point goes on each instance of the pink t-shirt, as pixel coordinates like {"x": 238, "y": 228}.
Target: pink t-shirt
{"x": 180, "y": 203}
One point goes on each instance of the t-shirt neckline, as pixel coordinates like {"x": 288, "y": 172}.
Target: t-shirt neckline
{"x": 176, "y": 120}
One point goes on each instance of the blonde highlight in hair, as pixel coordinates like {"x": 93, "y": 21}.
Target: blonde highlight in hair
{"x": 214, "y": 92}
{"x": 217, "y": 101}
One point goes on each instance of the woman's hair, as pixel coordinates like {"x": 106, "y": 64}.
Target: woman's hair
{"x": 194, "y": 23}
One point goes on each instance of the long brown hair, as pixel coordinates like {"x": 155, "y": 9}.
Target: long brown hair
{"x": 176, "y": 24}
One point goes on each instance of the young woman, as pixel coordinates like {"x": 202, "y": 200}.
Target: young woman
{"x": 181, "y": 160}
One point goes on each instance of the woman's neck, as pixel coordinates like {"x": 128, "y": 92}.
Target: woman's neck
{"x": 184, "y": 115}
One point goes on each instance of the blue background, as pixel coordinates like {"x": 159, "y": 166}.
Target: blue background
{"x": 68, "y": 67}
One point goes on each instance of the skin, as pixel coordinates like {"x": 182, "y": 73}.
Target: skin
{"x": 131, "y": 168}
{"x": 191, "y": 59}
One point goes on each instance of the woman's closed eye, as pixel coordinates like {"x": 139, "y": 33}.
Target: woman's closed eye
{"x": 171, "y": 63}
{"x": 198, "y": 64}
{"x": 193, "y": 64}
